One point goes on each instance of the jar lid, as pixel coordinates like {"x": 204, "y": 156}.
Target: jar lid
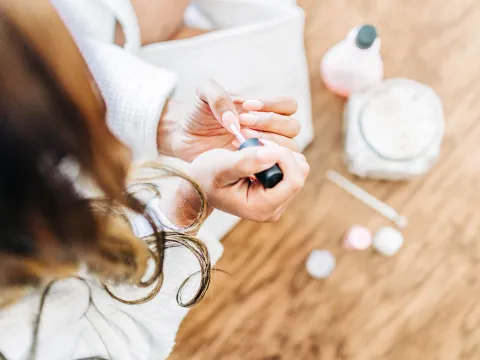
{"x": 399, "y": 120}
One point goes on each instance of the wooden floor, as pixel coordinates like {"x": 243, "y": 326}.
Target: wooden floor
{"x": 423, "y": 304}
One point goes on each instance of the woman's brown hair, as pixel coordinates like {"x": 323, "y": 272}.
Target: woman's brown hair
{"x": 51, "y": 114}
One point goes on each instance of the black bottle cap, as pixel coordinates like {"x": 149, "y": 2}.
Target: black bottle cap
{"x": 366, "y": 36}
{"x": 270, "y": 177}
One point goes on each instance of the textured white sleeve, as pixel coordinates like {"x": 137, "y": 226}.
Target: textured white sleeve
{"x": 135, "y": 93}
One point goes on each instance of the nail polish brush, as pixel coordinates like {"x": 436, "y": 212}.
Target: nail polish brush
{"x": 270, "y": 177}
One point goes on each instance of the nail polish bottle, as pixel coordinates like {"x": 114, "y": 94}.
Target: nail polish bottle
{"x": 354, "y": 64}
{"x": 268, "y": 178}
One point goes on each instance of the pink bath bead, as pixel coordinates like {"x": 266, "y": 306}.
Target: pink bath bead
{"x": 358, "y": 238}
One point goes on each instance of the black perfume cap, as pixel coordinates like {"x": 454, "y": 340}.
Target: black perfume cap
{"x": 366, "y": 36}
{"x": 270, "y": 177}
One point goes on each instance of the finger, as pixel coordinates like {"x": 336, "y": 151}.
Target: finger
{"x": 279, "y": 139}
{"x": 237, "y": 99}
{"x": 301, "y": 159}
{"x": 246, "y": 162}
{"x": 293, "y": 178}
{"x": 299, "y": 156}
{"x": 220, "y": 103}
{"x": 302, "y": 163}
{"x": 271, "y": 122}
{"x": 304, "y": 168}
{"x": 280, "y": 105}
{"x": 236, "y": 143}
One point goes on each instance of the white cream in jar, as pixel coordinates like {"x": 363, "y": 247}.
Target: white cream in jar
{"x": 393, "y": 130}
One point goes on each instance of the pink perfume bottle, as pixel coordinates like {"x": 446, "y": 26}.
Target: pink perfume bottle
{"x": 354, "y": 64}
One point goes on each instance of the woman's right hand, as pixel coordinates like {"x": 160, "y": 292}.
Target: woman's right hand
{"x": 223, "y": 175}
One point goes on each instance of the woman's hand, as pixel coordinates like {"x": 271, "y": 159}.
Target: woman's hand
{"x": 206, "y": 125}
{"x": 223, "y": 175}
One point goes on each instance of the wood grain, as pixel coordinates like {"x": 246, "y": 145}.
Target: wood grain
{"x": 422, "y": 304}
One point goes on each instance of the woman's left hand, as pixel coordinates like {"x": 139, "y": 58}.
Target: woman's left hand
{"x": 206, "y": 125}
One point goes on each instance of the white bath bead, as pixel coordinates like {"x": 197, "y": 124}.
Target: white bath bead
{"x": 388, "y": 241}
{"x": 357, "y": 238}
{"x": 320, "y": 264}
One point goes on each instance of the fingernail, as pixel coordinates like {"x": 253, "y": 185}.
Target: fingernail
{"x": 248, "y": 119}
{"x": 249, "y": 133}
{"x": 253, "y": 105}
{"x": 252, "y": 118}
{"x": 236, "y": 143}
{"x": 229, "y": 118}
{"x": 267, "y": 155}
{"x": 267, "y": 142}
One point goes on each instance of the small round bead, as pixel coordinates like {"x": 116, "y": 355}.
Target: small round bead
{"x": 387, "y": 241}
{"x": 320, "y": 264}
{"x": 358, "y": 238}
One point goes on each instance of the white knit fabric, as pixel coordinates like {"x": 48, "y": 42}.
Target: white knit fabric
{"x": 135, "y": 94}
{"x": 134, "y": 91}
{"x": 71, "y": 328}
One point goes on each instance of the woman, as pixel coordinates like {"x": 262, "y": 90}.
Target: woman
{"x": 137, "y": 93}
{"x": 84, "y": 277}
{"x": 256, "y": 48}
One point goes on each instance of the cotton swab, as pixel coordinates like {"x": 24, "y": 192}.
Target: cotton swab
{"x": 379, "y": 206}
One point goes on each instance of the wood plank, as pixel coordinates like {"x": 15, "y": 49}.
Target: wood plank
{"x": 422, "y": 304}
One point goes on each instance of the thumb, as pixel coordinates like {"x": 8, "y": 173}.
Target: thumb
{"x": 246, "y": 162}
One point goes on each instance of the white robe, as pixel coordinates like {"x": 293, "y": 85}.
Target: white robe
{"x": 135, "y": 93}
